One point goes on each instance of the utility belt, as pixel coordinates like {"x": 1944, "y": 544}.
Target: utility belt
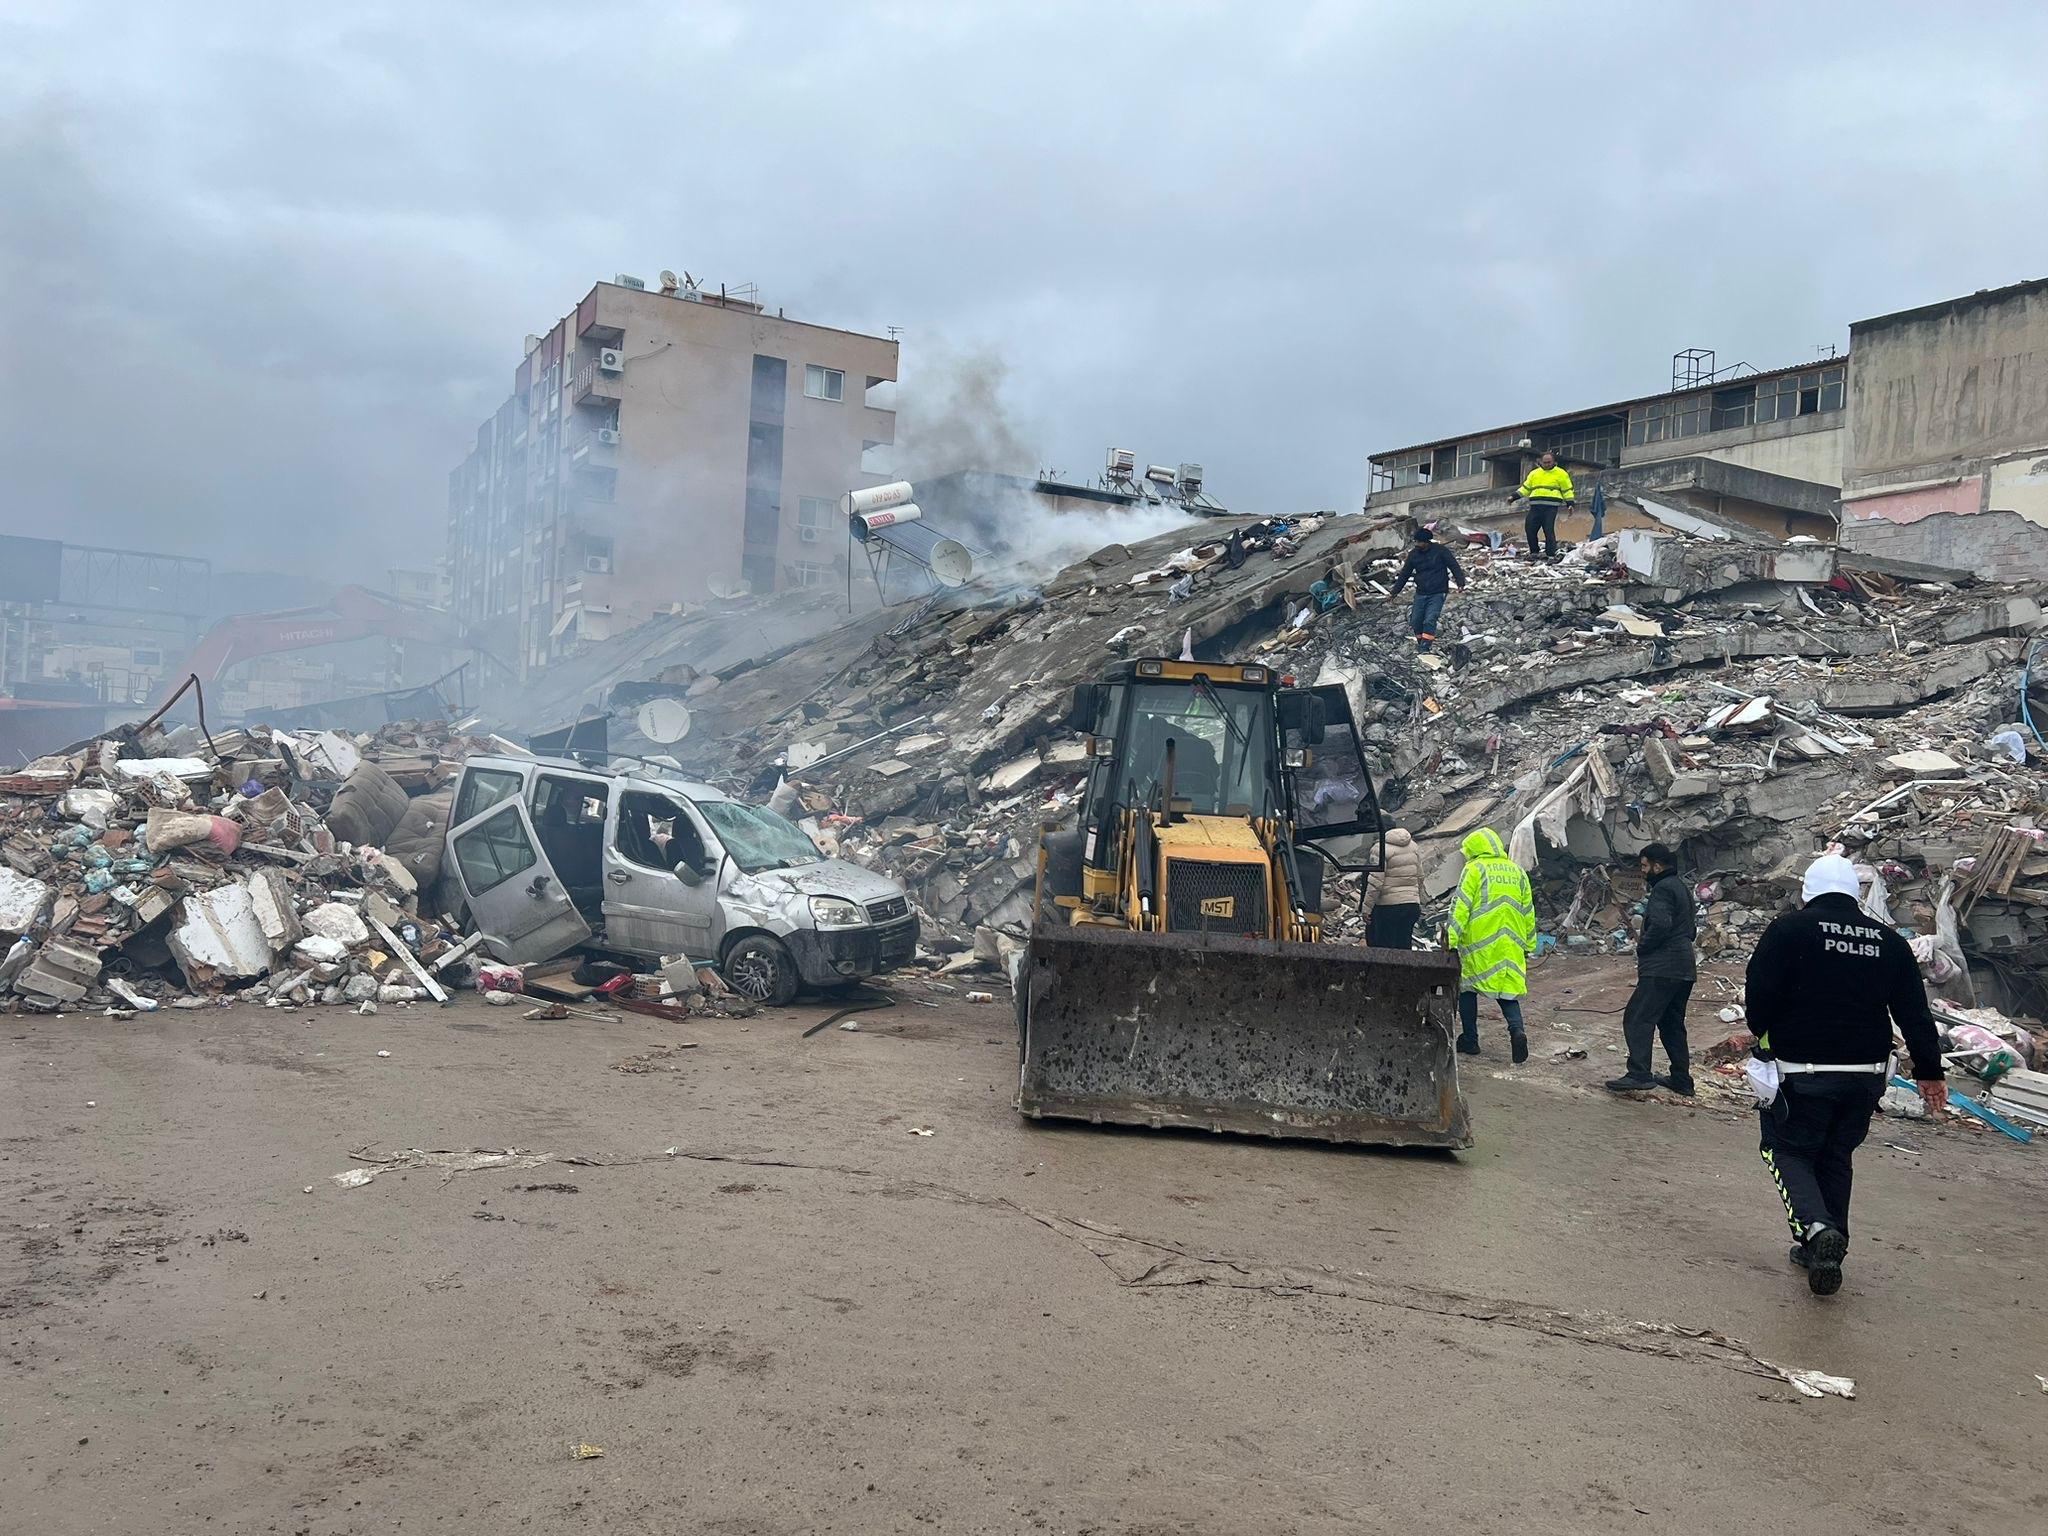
{"x": 1875, "y": 1068}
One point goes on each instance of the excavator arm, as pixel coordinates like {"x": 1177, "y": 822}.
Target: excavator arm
{"x": 356, "y": 613}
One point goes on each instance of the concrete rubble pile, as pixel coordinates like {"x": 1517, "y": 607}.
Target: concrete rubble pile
{"x": 150, "y": 868}
{"x": 1748, "y": 703}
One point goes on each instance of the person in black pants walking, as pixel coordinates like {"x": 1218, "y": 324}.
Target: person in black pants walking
{"x": 1665, "y": 972}
{"x": 1824, "y": 987}
{"x": 1432, "y": 568}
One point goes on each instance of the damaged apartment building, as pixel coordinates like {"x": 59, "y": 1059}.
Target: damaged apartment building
{"x": 1933, "y": 415}
{"x": 661, "y": 446}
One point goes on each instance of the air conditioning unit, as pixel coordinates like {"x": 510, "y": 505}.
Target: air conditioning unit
{"x": 601, "y": 564}
{"x": 611, "y": 360}
{"x": 630, "y": 282}
{"x": 808, "y": 535}
{"x": 608, "y": 435}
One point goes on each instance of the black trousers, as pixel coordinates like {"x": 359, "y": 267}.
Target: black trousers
{"x": 1393, "y": 927}
{"x": 1541, "y": 518}
{"x": 1657, "y": 1007}
{"x": 1809, "y": 1134}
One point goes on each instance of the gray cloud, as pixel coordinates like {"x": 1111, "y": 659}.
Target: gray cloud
{"x": 262, "y": 270}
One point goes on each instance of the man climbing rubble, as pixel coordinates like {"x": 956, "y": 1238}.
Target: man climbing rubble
{"x": 1824, "y": 987}
{"x": 1545, "y": 491}
{"x": 1665, "y": 972}
{"x": 1433, "y": 569}
{"x": 1493, "y": 928}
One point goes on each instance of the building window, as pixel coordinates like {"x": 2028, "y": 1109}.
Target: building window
{"x": 1661, "y": 420}
{"x": 1472, "y": 456}
{"x": 811, "y": 574}
{"x": 1405, "y": 469}
{"x": 824, "y": 383}
{"x": 813, "y": 517}
{"x": 1734, "y": 408}
{"x": 1800, "y": 394}
{"x": 1596, "y": 443}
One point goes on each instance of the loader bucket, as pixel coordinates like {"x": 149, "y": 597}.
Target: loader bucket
{"x": 1237, "y": 1034}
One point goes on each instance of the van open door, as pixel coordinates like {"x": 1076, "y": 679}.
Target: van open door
{"x": 515, "y": 899}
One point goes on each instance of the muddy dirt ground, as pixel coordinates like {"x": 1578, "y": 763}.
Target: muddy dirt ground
{"x": 778, "y": 1310}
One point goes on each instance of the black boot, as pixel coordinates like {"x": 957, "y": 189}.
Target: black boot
{"x": 1628, "y": 1082}
{"x": 1825, "y": 1248}
{"x": 1519, "y": 1042}
{"x": 1468, "y": 1045}
{"x": 1682, "y": 1086}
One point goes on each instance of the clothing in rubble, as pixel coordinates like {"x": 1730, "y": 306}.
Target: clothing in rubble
{"x": 1824, "y": 988}
{"x": 1433, "y": 569}
{"x": 1493, "y": 928}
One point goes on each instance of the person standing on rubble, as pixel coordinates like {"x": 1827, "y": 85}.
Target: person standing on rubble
{"x": 1825, "y": 986}
{"x": 1665, "y": 972}
{"x": 1493, "y": 928}
{"x": 1434, "y": 570}
{"x": 1393, "y": 894}
{"x": 1546, "y": 490}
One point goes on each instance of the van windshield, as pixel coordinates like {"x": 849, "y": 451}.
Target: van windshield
{"x": 756, "y": 837}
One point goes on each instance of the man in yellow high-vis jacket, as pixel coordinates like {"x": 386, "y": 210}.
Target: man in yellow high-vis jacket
{"x": 1546, "y": 490}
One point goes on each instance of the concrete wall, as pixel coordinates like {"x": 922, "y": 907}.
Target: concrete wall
{"x": 1948, "y": 384}
{"x": 2000, "y": 546}
{"x": 685, "y": 409}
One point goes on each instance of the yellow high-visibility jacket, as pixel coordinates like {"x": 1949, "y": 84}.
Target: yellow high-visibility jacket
{"x": 1549, "y": 485}
{"x": 1493, "y": 921}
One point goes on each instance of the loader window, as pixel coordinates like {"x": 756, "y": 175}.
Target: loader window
{"x": 1223, "y": 747}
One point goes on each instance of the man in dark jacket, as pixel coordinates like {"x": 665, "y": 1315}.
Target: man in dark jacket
{"x": 1665, "y": 972}
{"x": 1825, "y": 986}
{"x": 1433, "y": 569}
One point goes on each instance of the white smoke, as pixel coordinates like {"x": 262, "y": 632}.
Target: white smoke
{"x": 1043, "y": 542}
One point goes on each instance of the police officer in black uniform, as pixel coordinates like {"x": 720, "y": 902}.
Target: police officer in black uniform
{"x": 1825, "y": 985}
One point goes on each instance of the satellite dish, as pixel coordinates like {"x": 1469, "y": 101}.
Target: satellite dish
{"x": 663, "y": 720}
{"x": 727, "y": 588}
{"x": 668, "y": 278}
{"x": 951, "y": 563}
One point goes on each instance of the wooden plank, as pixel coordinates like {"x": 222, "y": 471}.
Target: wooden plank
{"x": 409, "y": 960}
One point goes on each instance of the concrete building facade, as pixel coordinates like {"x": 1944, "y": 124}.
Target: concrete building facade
{"x": 1949, "y": 409}
{"x": 1761, "y": 450}
{"x": 661, "y": 447}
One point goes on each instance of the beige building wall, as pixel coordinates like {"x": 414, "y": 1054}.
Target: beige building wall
{"x": 666, "y": 507}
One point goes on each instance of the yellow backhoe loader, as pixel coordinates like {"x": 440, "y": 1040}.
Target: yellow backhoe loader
{"x": 1177, "y": 973}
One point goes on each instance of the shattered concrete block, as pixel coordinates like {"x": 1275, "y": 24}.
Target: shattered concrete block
{"x": 339, "y": 921}
{"x": 216, "y": 934}
{"x": 316, "y": 949}
{"x": 1692, "y": 786}
{"x": 21, "y": 901}
{"x": 1657, "y": 756}
{"x": 60, "y": 973}
{"x": 1013, "y": 775}
{"x": 1921, "y": 765}
{"x": 270, "y": 897}
{"x": 359, "y": 989}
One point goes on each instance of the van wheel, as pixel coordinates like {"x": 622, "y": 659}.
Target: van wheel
{"x": 758, "y": 967}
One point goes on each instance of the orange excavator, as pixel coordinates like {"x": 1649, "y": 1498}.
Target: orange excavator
{"x": 355, "y": 613}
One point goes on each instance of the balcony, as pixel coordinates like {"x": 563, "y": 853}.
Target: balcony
{"x": 597, "y": 449}
{"x": 597, "y": 387}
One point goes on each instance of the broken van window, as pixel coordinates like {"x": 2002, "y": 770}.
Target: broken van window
{"x": 756, "y": 837}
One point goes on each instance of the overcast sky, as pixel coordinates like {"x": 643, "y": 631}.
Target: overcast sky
{"x": 264, "y": 268}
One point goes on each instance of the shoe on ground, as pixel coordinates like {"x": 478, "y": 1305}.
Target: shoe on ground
{"x": 1467, "y": 1047}
{"x": 1628, "y": 1082}
{"x": 1825, "y": 1248}
{"x": 1798, "y": 1254}
{"x": 1682, "y": 1086}
{"x": 1520, "y": 1043}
